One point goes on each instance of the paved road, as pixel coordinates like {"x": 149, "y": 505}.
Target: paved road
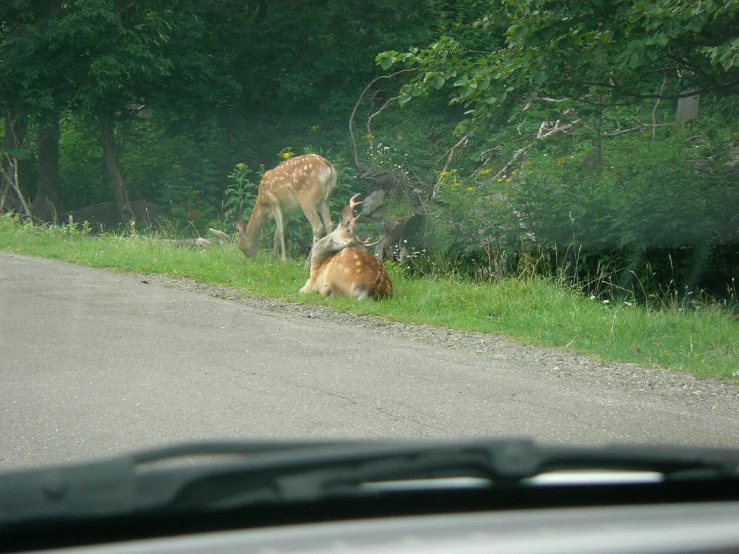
{"x": 94, "y": 363}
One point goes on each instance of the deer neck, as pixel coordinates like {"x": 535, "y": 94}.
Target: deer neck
{"x": 257, "y": 220}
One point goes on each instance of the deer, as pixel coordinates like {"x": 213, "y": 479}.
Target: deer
{"x": 304, "y": 182}
{"x": 341, "y": 266}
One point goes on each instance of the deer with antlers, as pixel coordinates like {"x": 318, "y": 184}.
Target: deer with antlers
{"x": 300, "y": 183}
{"x": 340, "y": 264}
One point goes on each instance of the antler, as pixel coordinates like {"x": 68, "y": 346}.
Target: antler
{"x": 353, "y": 203}
{"x": 369, "y": 244}
{"x": 347, "y": 214}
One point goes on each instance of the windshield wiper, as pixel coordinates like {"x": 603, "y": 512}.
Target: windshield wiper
{"x": 222, "y": 475}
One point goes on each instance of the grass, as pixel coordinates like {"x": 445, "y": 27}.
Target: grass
{"x": 702, "y": 341}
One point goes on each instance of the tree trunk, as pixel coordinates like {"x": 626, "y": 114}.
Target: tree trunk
{"x": 107, "y": 140}
{"x": 47, "y": 203}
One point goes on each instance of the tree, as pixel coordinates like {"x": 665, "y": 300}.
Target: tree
{"x": 615, "y": 51}
{"x": 103, "y": 60}
{"x": 32, "y": 88}
{"x": 127, "y": 56}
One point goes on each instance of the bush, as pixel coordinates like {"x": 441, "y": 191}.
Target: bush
{"x": 658, "y": 214}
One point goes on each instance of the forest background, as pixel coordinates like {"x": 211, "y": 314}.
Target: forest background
{"x": 596, "y": 141}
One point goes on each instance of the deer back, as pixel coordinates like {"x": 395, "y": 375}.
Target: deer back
{"x": 294, "y": 184}
{"x": 353, "y": 273}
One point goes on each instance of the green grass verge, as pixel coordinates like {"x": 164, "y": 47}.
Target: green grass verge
{"x": 703, "y": 341}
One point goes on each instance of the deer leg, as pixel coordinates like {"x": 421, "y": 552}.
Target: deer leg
{"x": 279, "y": 231}
{"x": 276, "y": 243}
{"x": 315, "y": 222}
{"x": 326, "y": 216}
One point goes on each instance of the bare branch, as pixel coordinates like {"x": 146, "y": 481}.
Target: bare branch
{"x": 543, "y": 133}
{"x": 449, "y": 156}
{"x": 371, "y": 117}
{"x": 637, "y": 128}
{"x": 517, "y": 155}
{"x": 13, "y": 182}
{"x": 656, "y": 105}
{"x": 543, "y": 100}
{"x": 730, "y": 86}
{"x": 357, "y": 161}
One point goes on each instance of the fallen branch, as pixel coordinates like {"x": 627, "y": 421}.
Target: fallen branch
{"x": 220, "y": 236}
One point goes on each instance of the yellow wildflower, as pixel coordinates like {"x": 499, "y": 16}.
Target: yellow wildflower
{"x": 444, "y": 174}
{"x": 508, "y": 180}
{"x": 240, "y": 166}
{"x": 314, "y": 128}
{"x": 499, "y": 180}
{"x": 561, "y": 161}
{"x": 470, "y": 189}
{"x": 398, "y": 138}
{"x": 485, "y": 171}
{"x": 455, "y": 185}
{"x": 286, "y": 155}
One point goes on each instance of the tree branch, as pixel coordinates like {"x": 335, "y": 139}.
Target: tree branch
{"x": 731, "y": 86}
{"x": 656, "y": 105}
{"x": 13, "y": 182}
{"x": 357, "y": 162}
{"x": 449, "y": 156}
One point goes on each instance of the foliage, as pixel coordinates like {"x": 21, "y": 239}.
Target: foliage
{"x": 616, "y": 189}
{"x": 595, "y": 52}
{"x": 650, "y": 209}
{"x": 312, "y": 57}
{"x": 242, "y": 192}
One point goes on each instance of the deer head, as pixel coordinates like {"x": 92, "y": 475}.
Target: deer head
{"x": 341, "y": 266}
{"x": 301, "y": 183}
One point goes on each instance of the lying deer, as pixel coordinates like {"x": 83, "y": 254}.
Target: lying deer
{"x": 300, "y": 183}
{"x": 341, "y": 266}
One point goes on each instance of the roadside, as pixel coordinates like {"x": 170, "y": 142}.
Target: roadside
{"x": 709, "y": 394}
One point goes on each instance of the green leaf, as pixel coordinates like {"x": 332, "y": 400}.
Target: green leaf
{"x": 387, "y": 59}
{"x": 437, "y": 82}
{"x": 403, "y": 98}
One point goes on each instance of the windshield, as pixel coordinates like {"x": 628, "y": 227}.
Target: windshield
{"x": 261, "y": 220}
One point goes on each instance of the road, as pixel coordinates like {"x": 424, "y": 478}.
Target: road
{"x": 94, "y": 363}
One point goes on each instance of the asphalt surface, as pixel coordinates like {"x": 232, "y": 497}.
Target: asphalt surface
{"x": 95, "y": 363}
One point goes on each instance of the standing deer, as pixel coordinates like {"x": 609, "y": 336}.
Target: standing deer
{"x": 341, "y": 266}
{"x": 304, "y": 182}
